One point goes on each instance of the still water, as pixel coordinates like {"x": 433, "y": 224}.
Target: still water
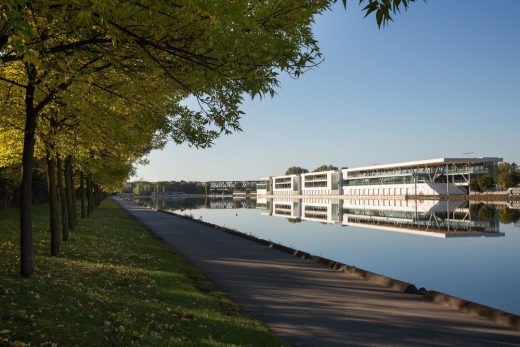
{"x": 470, "y": 251}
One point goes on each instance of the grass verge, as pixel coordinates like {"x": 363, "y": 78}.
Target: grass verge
{"x": 114, "y": 285}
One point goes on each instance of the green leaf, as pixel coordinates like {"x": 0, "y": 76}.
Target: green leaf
{"x": 379, "y": 18}
{"x": 371, "y": 7}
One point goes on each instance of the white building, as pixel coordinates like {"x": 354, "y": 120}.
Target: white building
{"x": 286, "y": 185}
{"x": 321, "y": 183}
{"x": 321, "y": 210}
{"x": 438, "y": 218}
{"x": 288, "y": 208}
{"x": 444, "y": 176}
{"x": 265, "y": 205}
{"x": 265, "y": 187}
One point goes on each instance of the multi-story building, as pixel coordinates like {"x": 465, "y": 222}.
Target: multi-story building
{"x": 444, "y": 176}
{"x": 286, "y": 185}
{"x": 265, "y": 186}
{"x": 321, "y": 183}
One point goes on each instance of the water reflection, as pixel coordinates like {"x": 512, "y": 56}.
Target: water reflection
{"x": 182, "y": 204}
{"x": 428, "y": 217}
{"x": 436, "y": 218}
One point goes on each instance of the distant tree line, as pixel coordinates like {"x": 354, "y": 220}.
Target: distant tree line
{"x": 147, "y": 188}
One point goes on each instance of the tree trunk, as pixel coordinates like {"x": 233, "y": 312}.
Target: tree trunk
{"x": 53, "y": 205}
{"x": 3, "y": 190}
{"x": 82, "y": 195}
{"x": 96, "y": 194}
{"x": 63, "y": 201}
{"x": 89, "y": 196}
{"x": 74, "y": 196}
{"x": 31, "y": 122}
{"x": 68, "y": 191}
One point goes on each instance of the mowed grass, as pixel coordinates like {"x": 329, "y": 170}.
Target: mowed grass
{"x": 114, "y": 285}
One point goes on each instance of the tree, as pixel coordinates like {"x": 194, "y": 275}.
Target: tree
{"x": 509, "y": 215}
{"x": 485, "y": 182}
{"x": 296, "y": 170}
{"x": 325, "y": 168}
{"x": 212, "y": 52}
{"x": 508, "y": 175}
{"x": 473, "y": 186}
{"x": 383, "y": 9}
{"x": 486, "y": 212}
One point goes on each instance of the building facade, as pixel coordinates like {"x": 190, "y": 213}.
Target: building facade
{"x": 321, "y": 183}
{"x": 322, "y": 210}
{"x": 265, "y": 186}
{"x": 288, "y": 208}
{"x": 444, "y": 176}
{"x": 286, "y": 185}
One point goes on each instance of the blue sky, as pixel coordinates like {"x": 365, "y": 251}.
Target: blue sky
{"x": 441, "y": 80}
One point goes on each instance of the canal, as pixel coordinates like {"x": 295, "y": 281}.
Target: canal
{"x": 467, "y": 250}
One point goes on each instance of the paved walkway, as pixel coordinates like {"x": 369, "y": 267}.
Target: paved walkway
{"x": 311, "y": 305}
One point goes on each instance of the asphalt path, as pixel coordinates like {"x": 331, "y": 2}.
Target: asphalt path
{"x": 311, "y": 305}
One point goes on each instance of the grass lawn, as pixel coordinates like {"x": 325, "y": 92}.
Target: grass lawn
{"x": 114, "y": 285}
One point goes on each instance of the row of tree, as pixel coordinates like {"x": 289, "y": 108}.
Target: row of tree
{"x": 89, "y": 87}
{"x": 148, "y": 188}
{"x": 92, "y": 86}
{"x": 296, "y": 170}
{"x": 10, "y": 188}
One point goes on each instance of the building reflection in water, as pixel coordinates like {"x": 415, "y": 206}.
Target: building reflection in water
{"x": 437, "y": 218}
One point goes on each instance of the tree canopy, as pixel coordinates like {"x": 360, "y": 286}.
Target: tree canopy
{"x": 485, "y": 182}
{"x": 325, "y": 168}
{"x": 509, "y": 215}
{"x": 110, "y": 76}
{"x": 296, "y": 170}
{"x": 508, "y": 175}
{"x": 100, "y": 83}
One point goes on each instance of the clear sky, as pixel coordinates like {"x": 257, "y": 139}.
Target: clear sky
{"x": 443, "y": 79}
